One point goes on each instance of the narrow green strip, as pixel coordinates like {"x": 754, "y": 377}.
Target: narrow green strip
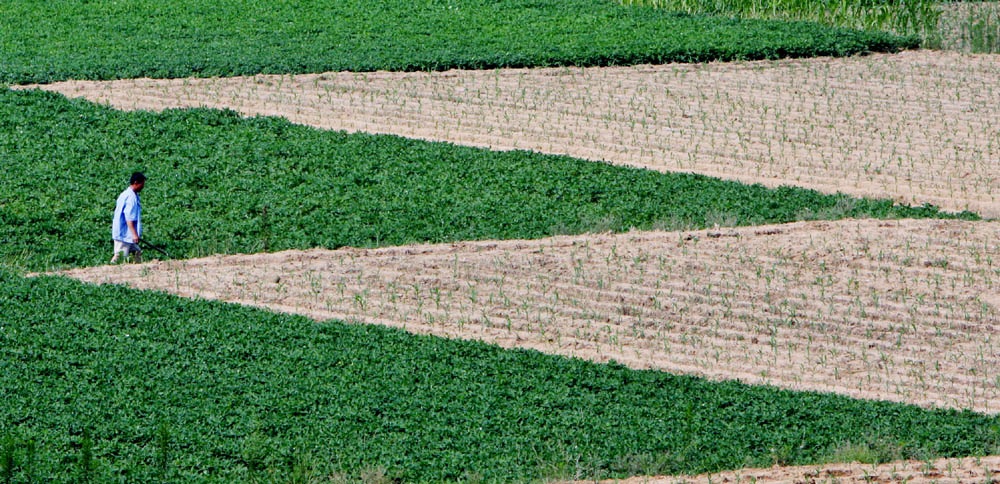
{"x": 110, "y": 39}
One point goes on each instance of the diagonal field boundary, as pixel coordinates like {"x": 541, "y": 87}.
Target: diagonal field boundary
{"x": 895, "y": 310}
{"x": 941, "y": 471}
{"x": 917, "y": 127}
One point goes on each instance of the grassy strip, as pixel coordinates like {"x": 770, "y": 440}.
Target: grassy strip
{"x": 914, "y": 17}
{"x": 222, "y": 184}
{"x": 157, "y": 388}
{"x": 969, "y": 26}
{"x": 105, "y": 39}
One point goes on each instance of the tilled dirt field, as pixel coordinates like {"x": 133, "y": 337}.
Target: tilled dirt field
{"x": 918, "y": 127}
{"x": 896, "y": 310}
{"x": 942, "y": 471}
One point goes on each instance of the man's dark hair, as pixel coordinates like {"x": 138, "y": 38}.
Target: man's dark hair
{"x": 137, "y": 177}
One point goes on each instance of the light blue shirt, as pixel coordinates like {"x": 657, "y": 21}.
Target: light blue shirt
{"x": 126, "y": 208}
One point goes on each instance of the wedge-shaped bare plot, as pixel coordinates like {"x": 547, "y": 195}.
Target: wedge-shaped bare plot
{"x": 896, "y": 310}
{"x": 918, "y": 127}
{"x": 942, "y": 471}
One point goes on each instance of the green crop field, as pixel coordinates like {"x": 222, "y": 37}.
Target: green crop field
{"x": 221, "y": 184}
{"x": 165, "y": 389}
{"x": 108, "y": 39}
{"x": 109, "y": 384}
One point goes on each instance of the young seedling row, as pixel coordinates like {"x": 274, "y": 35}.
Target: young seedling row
{"x": 918, "y": 127}
{"x": 896, "y": 310}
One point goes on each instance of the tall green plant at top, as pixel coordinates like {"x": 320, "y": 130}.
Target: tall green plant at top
{"x": 908, "y": 17}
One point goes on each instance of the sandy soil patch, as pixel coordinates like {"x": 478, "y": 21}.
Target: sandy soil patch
{"x": 917, "y": 127}
{"x": 896, "y": 310}
{"x": 942, "y": 471}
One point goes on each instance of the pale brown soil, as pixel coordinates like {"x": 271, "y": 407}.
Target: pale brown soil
{"x": 896, "y": 310}
{"x": 942, "y": 471}
{"x": 917, "y": 127}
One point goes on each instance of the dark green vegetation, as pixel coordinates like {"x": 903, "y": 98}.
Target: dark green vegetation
{"x": 109, "y": 39}
{"x": 220, "y": 184}
{"x": 105, "y": 384}
{"x": 151, "y": 386}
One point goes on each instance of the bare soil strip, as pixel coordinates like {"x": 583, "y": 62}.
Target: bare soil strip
{"x": 942, "y": 471}
{"x": 917, "y": 127}
{"x": 895, "y": 310}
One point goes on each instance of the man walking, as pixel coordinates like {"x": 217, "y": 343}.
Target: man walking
{"x": 127, "y": 225}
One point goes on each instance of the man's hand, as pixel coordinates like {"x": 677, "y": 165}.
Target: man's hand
{"x": 135, "y": 233}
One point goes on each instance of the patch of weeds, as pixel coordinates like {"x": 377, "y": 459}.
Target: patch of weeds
{"x": 844, "y": 207}
{"x": 646, "y": 464}
{"x": 592, "y": 224}
{"x": 375, "y": 475}
{"x": 673, "y": 224}
{"x": 875, "y": 451}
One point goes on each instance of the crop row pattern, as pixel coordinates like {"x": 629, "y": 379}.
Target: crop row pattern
{"x": 52, "y": 41}
{"x": 236, "y": 391}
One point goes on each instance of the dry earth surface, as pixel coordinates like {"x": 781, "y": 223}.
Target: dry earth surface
{"x": 897, "y": 310}
{"x": 917, "y": 127}
{"x": 943, "y": 471}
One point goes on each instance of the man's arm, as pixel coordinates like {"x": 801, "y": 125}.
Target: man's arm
{"x": 131, "y": 212}
{"x": 131, "y": 228}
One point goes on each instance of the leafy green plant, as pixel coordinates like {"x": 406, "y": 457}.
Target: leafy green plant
{"x": 103, "y": 39}
{"x": 85, "y": 462}
{"x": 255, "y": 396}
{"x": 7, "y": 459}
{"x": 162, "y": 450}
{"x": 30, "y": 448}
{"x": 219, "y": 183}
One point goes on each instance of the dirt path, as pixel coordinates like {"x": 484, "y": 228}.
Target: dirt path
{"x": 896, "y": 310}
{"x": 917, "y": 127}
{"x": 942, "y": 471}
